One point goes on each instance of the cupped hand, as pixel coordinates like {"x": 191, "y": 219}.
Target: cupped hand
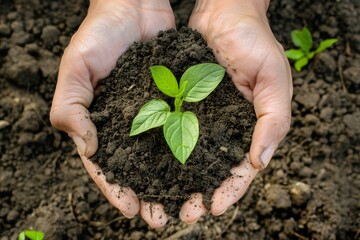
{"x": 109, "y": 28}
{"x": 239, "y": 34}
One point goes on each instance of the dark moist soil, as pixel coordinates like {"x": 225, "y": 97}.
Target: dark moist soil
{"x": 310, "y": 190}
{"x": 145, "y": 163}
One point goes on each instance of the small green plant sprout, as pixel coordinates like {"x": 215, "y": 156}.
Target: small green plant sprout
{"x": 31, "y": 234}
{"x": 303, "y": 39}
{"x": 181, "y": 129}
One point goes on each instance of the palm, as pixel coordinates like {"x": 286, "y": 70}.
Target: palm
{"x": 104, "y": 35}
{"x": 247, "y": 48}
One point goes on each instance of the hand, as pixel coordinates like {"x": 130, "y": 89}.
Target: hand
{"x": 239, "y": 34}
{"x": 109, "y": 28}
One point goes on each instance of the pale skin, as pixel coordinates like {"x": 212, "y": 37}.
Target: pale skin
{"x": 243, "y": 43}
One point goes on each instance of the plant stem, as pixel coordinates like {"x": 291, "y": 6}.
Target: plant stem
{"x": 178, "y": 103}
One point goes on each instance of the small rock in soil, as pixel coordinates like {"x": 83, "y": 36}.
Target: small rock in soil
{"x": 82, "y": 211}
{"x": 28, "y": 122}
{"x": 4, "y": 124}
{"x": 353, "y": 122}
{"x": 4, "y": 211}
{"x": 64, "y": 40}
{"x": 17, "y": 26}
{"x": 324, "y": 62}
{"x": 32, "y": 49}
{"x": 308, "y": 99}
{"x": 21, "y": 68}
{"x": 289, "y": 226}
{"x": 352, "y": 79}
{"x": 300, "y": 193}
{"x": 306, "y": 172}
{"x": 137, "y": 235}
{"x": 21, "y": 38}
{"x": 23, "y": 73}
{"x": 12, "y": 216}
{"x": 12, "y": 15}
{"x": 4, "y": 30}
{"x": 311, "y": 119}
{"x": 48, "y": 63}
{"x": 25, "y": 138}
{"x": 263, "y": 207}
{"x": 277, "y": 197}
{"x": 73, "y": 22}
{"x": 50, "y": 35}
{"x": 326, "y": 114}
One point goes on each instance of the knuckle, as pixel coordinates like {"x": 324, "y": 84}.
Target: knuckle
{"x": 57, "y": 118}
{"x": 54, "y": 118}
{"x": 285, "y": 125}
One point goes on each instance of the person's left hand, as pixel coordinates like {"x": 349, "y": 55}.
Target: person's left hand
{"x": 240, "y": 35}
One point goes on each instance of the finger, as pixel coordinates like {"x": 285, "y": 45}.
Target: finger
{"x": 153, "y": 214}
{"x": 192, "y": 209}
{"x": 123, "y": 199}
{"x": 233, "y": 188}
{"x": 73, "y": 94}
{"x": 272, "y": 103}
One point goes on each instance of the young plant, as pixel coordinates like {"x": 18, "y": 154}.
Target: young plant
{"x": 31, "y": 234}
{"x": 181, "y": 129}
{"x": 303, "y": 40}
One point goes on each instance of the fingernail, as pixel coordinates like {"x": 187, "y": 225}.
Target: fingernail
{"x": 80, "y": 144}
{"x": 266, "y": 156}
{"x": 128, "y": 216}
{"x": 221, "y": 213}
{"x": 194, "y": 221}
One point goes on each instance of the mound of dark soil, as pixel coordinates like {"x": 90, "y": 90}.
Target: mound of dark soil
{"x": 145, "y": 162}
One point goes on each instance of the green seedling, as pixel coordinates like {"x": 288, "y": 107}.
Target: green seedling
{"x": 31, "y": 234}
{"x": 181, "y": 129}
{"x": 303, "y": 40}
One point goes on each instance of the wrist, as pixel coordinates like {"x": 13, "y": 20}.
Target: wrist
{"x": 154, "y": 4}
{"x": 249, "y": 7}
{"x": 146, "y": 4}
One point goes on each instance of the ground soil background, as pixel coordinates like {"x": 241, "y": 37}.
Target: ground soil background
{"x": 309, "y": 191}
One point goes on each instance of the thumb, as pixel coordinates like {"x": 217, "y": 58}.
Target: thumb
{"x": 73, "y": 95}
{"x": 272, "y": 103}
{"x": 269, "y": 132}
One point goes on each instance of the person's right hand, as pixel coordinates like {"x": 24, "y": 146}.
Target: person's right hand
{"x": 109, "y": 28}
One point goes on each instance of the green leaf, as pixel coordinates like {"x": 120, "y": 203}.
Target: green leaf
{"x": 294, "y": 54}
{"x": 181, "y": 131}
{"x": 301, "y": 63}
{"x": 202, "y": 80}
{"x": 22, "y": 236}
{"x": 310, "y": 55}
{"x": 165, "y": 80}
{"x": 33, "y": 235}
{"x": 302, "y": 39}
{"x": 153, "y": 114}
{"x": 325, "y": 44}
{"x": 182, "y": 89}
